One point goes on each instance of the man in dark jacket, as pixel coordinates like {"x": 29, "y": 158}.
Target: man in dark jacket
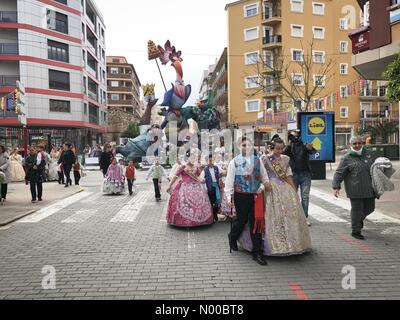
{"x": 299, "y": 154}
{"x": 354, "y": 170}
{"x": 35, "y": 165}
{"x": 67, "y": 160}
{"x": 105, "y": 159}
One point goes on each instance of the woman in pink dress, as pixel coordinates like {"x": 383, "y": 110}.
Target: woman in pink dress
{"x": 189, "y": 205}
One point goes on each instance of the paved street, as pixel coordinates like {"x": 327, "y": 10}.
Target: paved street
{"x": 120, "y": 247}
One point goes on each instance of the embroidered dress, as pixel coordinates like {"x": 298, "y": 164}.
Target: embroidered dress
{"x": 286, "y": 231}
{"x": 114, "y": 182}
{"x": 225, "y": 208}
{"x": 53, "y": 167}
{"x": 189, "y": 205}
{"x": 17, "y": 170}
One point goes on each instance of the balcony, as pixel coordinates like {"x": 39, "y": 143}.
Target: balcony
{"x": 273, "y": 90}
{"x": 271, "y": 17}
{"x": 272, "y": 41}
{"x": 9, "y": 49}
{"x": 367, "y": 94}
{"x": 278, "y": 119}
{"x": 119, "y": 89}
{"x": 119, "y": 76}
{"x": 8, "y": 16}
{"x": 8, "y": 81}
{"x": 373, "y": 115}
{"x": 93, "y": 119}
{"x": 120, "y": 102}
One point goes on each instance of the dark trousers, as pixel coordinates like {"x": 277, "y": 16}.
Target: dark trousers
{"x": 130, "y": 185}
{"x": 156, "y": 189}
{"x": 213, "y": 200}
{"x": 77, "y": 177}
{"x": 67, "y": 172}
{"x": 4, "y": 188}
{"x": 360, "y": 209}
{"x": 105, "y": 171}
{"x": 244, "y": 204}
{"x": 36, "y": 187}
{"x": 60, "y": 177}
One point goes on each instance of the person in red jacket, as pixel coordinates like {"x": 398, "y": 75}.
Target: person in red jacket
{"x": 130, "y": 175}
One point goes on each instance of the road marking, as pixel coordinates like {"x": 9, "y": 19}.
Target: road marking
{"x": 54, "y": 208}
{"x": 130, "y": 211}
{"x": 191, "y": 242}
{"x": 376, "y": 216}
{"x": 351, "y": 240}
{"x": 323, "y": 215}
{"x": 298, "y": 291}
{"x": 80, "y": 216}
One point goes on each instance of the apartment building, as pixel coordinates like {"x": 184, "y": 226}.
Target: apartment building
{"x": 123, "y": 86}
{"x": 261, "y": 30}
{"x": 219, "y": 87}
{"x": 57, "y": 49}
{"x": 375, "y": 44}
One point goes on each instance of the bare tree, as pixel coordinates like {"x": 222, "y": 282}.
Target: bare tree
{"x": 301, "y": 77}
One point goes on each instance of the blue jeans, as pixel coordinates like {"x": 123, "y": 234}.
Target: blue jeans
{"x": 303, "y": 180}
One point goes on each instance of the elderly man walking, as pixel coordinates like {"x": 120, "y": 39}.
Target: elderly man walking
{"x": 354, "y": 170}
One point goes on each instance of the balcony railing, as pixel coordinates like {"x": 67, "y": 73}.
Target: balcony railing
{"x": 273, "y": 88}
{"x": 373, "y": 115}
{"x": 8, "y": 16}
{"x": 119, "y": 76}
{"x": 120, "y": 102}
{"x": 8, "y": 81}
{"x": 9, "y": 48}
{"x": 92, "y": 95}
{"x": 272, "y": 14}
{"x": 272, "y": 39}
{"x": 93, "y": 119}
{"x": 119, "y": 89}
{"x": 368, "y": 93}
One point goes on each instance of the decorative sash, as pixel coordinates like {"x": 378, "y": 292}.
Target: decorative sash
{"x": 190, "y": 173}
{"x": 276, "y": 167}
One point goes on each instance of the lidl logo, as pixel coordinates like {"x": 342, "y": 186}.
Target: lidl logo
{"x": 316, "y": 125}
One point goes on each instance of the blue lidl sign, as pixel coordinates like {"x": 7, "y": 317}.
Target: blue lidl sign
{"x": 318, "y": 128}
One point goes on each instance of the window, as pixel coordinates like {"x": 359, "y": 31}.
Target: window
{"x": 298, "y": 104}
{"x": 251, "y": 57}
{"x": 297, "y": 55}
{"x": 114, "y": 96}
{"x": 251, "y": 34}
{"x": 319, "y": 32}
{"x": 59, "y": 80}
{"x": 84, "y": 85}
{"x": 318, "y": 104}
{"x": 318, "y": 8}
{"x": 297, "y": 30}
{"x": 57, "y": 21}
{"x": 62, "y": 1}
{"x": 344, "y": 46}
{"x": 268, "y": 59}
{"x": 319, "y": 56}
{"x": 85, "y": 109}
{"x": 344, "y": 112}
{"x": 251, "y": 10}
{"x": 57, "y": 51}
{"x": 319, "y": 80}
{"x": 344, "y": 68}
{"x": 60, "y": 106}
{"x": 344, "y": 24}
{"x": 343, "y": 91}
{"x": 298, "y": 79}
{"x": 297, "y": 5}
{"x": 252, "y": 82}
{"x": 114, "y": 70}
{"x": 114, "y": 84}
{"x": 252, "y": 105}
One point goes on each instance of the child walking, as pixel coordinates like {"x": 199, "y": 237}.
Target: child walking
{"x": 157, "y": 172}
{"x": 77, "y": 172}
{"x": 130, "y": 176}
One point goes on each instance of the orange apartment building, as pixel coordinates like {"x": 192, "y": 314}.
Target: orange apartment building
{"x": 276, "y": 28}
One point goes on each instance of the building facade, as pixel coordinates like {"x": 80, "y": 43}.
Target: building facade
{"x": 262, "y": 30}
{"x": 219, "y": 87}
{"x": 375, "y": 45}
{"x": 123, "y": 86}
{"x": 57, "y": 49}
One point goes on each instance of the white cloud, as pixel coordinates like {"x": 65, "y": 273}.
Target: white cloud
{"x": 197, "y": 28}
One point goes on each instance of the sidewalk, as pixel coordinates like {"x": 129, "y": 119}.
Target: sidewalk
{"x": 18, "y": 203}
{"x": 388, "y": 204}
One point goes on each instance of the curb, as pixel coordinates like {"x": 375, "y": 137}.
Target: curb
{"x": 23, "y": 215}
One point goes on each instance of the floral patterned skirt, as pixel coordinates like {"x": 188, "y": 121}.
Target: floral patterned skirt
{"x": 113, "y": 186}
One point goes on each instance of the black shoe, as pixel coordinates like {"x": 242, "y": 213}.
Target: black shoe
{"x": 33, "y": 201}
{"x": 40, "y": 199}
{"x": 358, "y": 235}
{"x": 130, "y": 193}
{"x": 66, "y": 186}
{"x": 232, "y": 244}
{"x": 260, "y": 259}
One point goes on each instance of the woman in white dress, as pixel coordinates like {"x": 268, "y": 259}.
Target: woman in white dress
{"x": 17, "y": 170}
{"x": 53, "y": 166}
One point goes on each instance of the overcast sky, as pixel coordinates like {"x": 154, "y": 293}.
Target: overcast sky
{"x": 197, "y": 28}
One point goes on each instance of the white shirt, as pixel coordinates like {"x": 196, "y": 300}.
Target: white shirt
{"x": 230, "y": 177}
{"x": 39, "y": 158}
{"x": 212, "y": 172}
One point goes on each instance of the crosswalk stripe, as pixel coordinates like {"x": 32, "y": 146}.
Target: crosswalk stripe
{"x": 54, "y": 208}
{"x": 130, "y": 211}
{"x": 323, "y": 215}
{"x": 376, "y": 217}
{"x": 80, "y": 216}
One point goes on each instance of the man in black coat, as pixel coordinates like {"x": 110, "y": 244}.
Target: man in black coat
{"x": 67, "y": 160}
{"x": 105, "y": 159}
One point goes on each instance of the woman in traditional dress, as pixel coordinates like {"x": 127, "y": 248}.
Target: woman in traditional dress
{"x": 114, "y": 182}
{"x": 189, "y": 205}
{"x": 17, "y": 170}
{"x": 287, "y": 232}
{"x": 53, "y": 165}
